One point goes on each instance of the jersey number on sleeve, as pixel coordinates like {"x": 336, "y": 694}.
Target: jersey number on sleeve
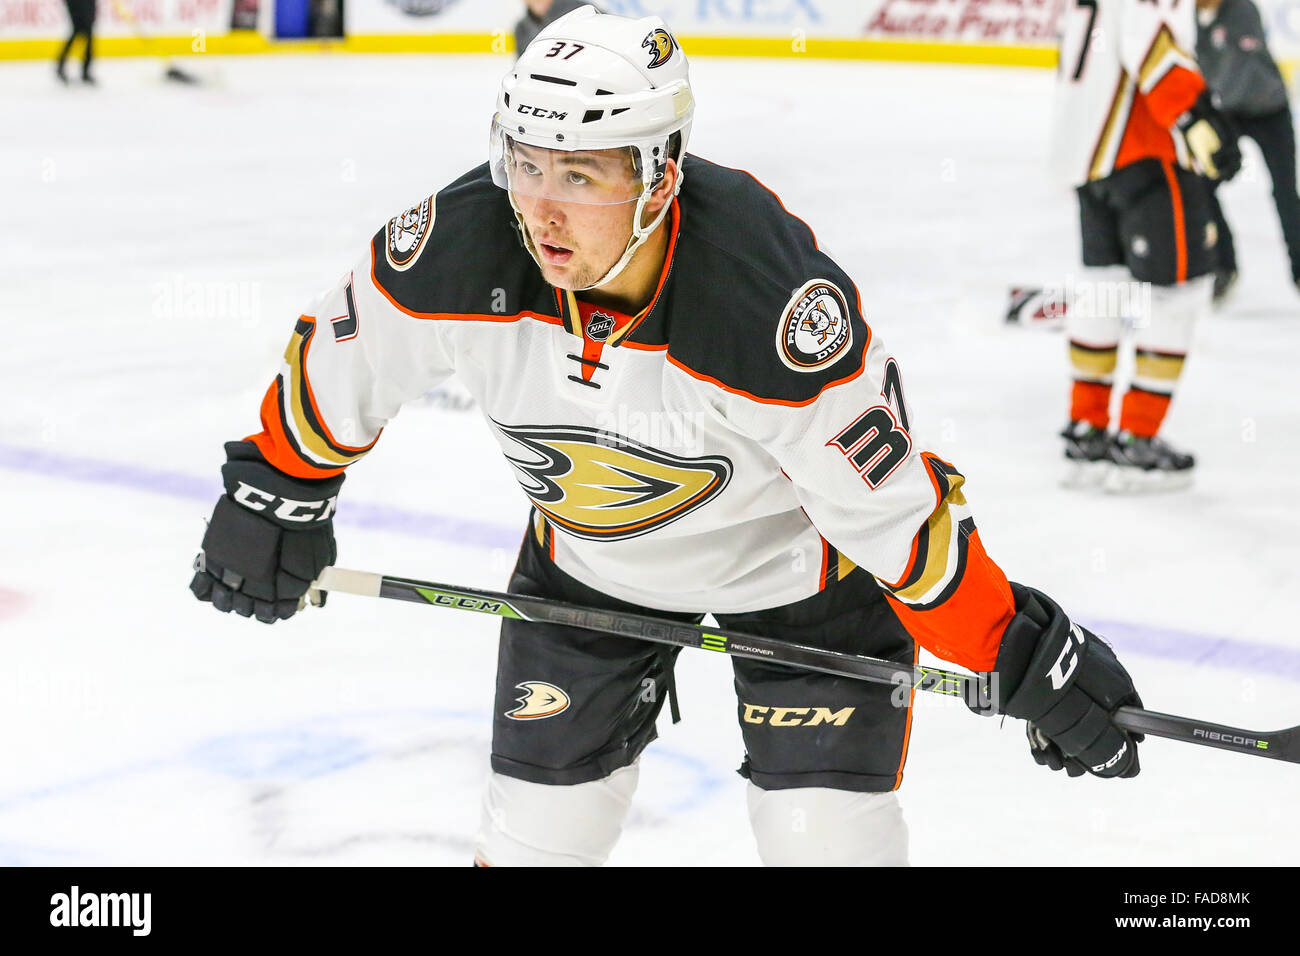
{"x": 893, "y": 393}
{"x": 345, "y": 326}
{"x": 1087, "y": 35}
{"x": 874, "y": 444}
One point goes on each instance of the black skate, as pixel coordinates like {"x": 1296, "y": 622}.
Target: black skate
{"x": 1147, "y": 464}
{"x": 1087, "y": 454}
{"x": 1224, "y": 280}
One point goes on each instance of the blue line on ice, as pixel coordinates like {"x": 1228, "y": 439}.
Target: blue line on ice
{"x": 318, "y": 747}
{"x": 173, "y": 484}
{"x": 1185, "y": 646}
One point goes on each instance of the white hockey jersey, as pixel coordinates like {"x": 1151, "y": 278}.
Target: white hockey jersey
{"x": 736, "y": 445}
{"x": 1124, "y": 76}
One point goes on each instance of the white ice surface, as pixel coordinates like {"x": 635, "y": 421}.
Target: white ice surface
{"x": 139, "y": 726}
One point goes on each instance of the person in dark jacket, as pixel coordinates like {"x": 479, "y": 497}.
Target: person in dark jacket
{"x": 1249, "y": 89}
{"x": 540, "y": 14}
{"x": 83, "y": 22}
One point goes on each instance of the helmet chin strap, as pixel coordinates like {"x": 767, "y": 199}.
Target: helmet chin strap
{"x": 639, "y": 235}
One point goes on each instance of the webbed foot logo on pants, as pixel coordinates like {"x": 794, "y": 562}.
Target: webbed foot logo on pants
{"x": 539, "y": 699}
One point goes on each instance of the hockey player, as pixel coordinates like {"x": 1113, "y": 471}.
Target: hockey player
{"x": 1133, "y": 128}
{"x": 593, "y": 273}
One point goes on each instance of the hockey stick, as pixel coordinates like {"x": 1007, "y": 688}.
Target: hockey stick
{"x": 974, "y": 689}
{"x": 1036, "y": 307}
{"x": 172, "y": 72}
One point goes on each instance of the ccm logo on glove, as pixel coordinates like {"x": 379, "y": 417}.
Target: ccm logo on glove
{"x": 1067, "y": 660}
{"x": 286, "y": 509}
{"x": 1101, "y": 768}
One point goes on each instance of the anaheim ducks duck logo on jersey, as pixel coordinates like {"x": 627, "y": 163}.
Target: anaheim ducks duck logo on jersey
{"x": 814, "y": 329}
{"x": 660, "y": 43}
{"x": 601, "y": 486}
{"x": 406, "y": 235}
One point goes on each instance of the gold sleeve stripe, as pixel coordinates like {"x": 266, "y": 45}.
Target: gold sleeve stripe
{"x": 937, "y": 540}
{"x": 1163, "y": 56}
{"x": 843, "y": 567}
{"x": 626, "y": 330}
{"x": 539, "y": 528}
{"x": 1103, "y": 156}
{"x": 1155, "y": 365}
{"x": 305, "y": 431}
{"x": 572, "y": 315}
{"x": 1093, "y": 361}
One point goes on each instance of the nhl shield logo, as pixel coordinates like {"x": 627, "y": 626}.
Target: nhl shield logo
{"x": 814, "y": 330}
{"x": 538, "y": 701}
{"x": 406, "y": 235}
{"x": 599, "y": 326}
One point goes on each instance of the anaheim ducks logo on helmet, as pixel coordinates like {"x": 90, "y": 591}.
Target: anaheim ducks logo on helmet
{"x": 661, "y": 44}
{"x": 539, "y": 700}
{"x": 601, "y": 486}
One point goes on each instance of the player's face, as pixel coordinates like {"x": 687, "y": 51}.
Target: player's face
{"x": 578, "y": 208}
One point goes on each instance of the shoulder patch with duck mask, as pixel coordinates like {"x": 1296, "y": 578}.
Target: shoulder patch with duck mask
{"x": 407, "y": 234}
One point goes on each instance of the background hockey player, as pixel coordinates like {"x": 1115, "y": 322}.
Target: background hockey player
{"x": 82, "y": 14}
{"x": 1133, "y": 127}
{"x": 592, "y": 268}
{"x": 1247, "y": 86}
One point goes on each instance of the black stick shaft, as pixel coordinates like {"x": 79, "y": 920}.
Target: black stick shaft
{"x": 977, "y": 690}
{"x": 661, "y": 631}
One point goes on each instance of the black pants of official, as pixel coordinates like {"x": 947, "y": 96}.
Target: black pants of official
{"x": 1275, "y": 135}
{"x": 83, "y": 22}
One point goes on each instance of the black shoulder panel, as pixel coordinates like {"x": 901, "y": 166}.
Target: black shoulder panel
{"x": 751, "y": 302}
{"x": 458, "y": 252}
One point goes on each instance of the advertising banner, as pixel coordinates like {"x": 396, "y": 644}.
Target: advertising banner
{"x": 48, "y": 19}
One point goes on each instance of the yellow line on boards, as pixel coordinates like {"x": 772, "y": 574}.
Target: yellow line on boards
{"x": 915, "y": 51}
{"x": 242, "y": 42}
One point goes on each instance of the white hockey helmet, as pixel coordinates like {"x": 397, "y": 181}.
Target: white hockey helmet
{"x": 593, "y": 81}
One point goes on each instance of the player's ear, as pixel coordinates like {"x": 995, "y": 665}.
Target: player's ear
{"x": 664, "y": 189}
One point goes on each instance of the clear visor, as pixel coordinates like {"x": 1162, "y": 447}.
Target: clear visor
{"x": 597, "y": 177}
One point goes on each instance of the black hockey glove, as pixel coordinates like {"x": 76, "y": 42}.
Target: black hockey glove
{"x": 1211, "y": 139}
{"x": 1066, "y": 682}
{"x": 270, "y": 536}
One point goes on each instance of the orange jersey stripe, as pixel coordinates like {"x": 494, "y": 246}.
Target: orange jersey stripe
{"x": 1147, "y": 134}
{"x": 1174, "y": 95}
{"x": 967, "y": 628}
{"x": 276, "y": 446}
{"x": 1143, "y": 137}
{"x": 452, "y": 316}
{"x": 701, "y": 376}
{"x": 675, "y": 215}
{"x": 1180, "y": 237}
